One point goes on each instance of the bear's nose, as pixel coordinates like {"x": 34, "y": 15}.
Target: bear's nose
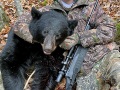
{"x": 49, "y": 44}
{"x": 48, "y": 48}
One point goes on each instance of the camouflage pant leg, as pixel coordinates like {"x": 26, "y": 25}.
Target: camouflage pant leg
{"x": 104, "y": 75}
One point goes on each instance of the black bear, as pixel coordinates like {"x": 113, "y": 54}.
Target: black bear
{"x": 49, "y": 29}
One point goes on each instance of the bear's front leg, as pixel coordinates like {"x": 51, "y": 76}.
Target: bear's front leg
{"x": 41, "y": 76}
{"x": 51, "y": 84}
{"x": 13, "y": 78}
{"x": 13, "y": 63}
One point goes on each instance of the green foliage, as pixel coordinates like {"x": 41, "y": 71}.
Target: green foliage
{"x": 117, "y": 39}
{"x": 118, "y": 26}
{"x": 44, "y": 3}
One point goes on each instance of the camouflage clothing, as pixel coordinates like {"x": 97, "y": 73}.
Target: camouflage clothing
{"x": 105, "y": 75}
{"x": 101, "y": 33}
{"x": 102, "y": 30}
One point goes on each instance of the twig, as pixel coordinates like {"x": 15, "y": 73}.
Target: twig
{"x": 29, "y": 79}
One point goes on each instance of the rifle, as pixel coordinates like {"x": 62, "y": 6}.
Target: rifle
{"x": 74, "y": 60}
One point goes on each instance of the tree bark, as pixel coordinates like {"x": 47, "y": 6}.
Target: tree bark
{"x": 18, "y": 7}
{"x": 3, "y": 18}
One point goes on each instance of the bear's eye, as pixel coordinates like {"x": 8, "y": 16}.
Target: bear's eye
{"x": 58, "y": 36}
{"x": 45, "y": 32}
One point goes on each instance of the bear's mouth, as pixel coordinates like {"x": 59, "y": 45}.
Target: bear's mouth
{"x": 47, "y": 52}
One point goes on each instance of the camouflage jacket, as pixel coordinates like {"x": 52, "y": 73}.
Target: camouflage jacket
{"x": 101, "y": 33}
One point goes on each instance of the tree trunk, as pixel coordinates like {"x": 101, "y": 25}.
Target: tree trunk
{"x": 18, "y": 7}
{"x": 3, "y": 18}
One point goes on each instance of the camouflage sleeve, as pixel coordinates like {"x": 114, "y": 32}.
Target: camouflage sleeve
{"x": 103, "y": 31}
{"x": 21, "y": 26}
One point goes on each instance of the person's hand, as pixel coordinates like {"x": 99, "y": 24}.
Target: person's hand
{"x": 70, "y": 41}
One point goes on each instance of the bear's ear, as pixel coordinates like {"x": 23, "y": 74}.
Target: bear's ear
{"x": 35, "y": 13}
{"x": 72, "y": 24}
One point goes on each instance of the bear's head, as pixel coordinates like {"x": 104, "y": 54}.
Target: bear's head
{"x": 50, "y": 28}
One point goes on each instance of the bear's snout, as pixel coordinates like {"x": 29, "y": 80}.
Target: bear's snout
{"x": 47, "y": 51}
{"x": 49, "y": 44}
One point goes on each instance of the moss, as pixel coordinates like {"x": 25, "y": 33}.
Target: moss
{"x": 117, "y": 39}
{"x": 118, "y": 26}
